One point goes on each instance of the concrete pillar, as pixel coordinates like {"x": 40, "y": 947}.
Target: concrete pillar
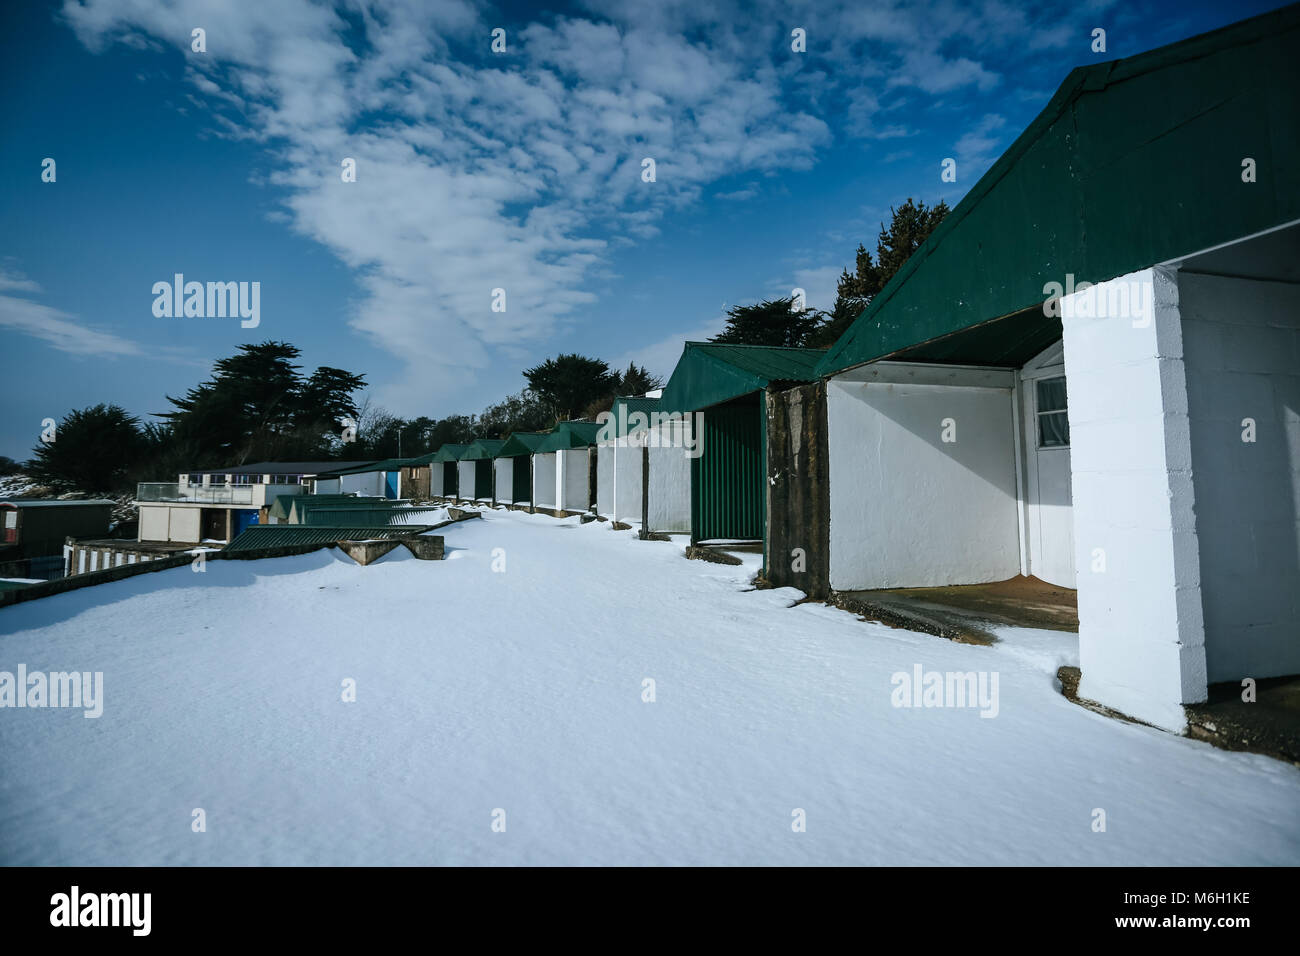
{"x": 1141, "y": 629}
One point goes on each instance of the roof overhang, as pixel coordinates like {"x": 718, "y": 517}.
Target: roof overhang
{"x": 1134, "y": 162}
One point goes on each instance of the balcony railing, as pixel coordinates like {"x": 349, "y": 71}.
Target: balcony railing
{"x": 211, "y": 494}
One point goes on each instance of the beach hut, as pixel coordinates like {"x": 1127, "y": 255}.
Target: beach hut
{"x": 564, "y": 476}
{"x": 514, "y": 469}
{"x": 475, "y": 470}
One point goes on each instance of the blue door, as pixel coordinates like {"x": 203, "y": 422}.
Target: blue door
{"x": 390, "y": 483}
{"x": 243, "y": 519}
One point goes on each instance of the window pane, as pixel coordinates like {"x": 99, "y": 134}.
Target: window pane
{"x": 1053, "y": 430}
{"x": 1051, "y": 395}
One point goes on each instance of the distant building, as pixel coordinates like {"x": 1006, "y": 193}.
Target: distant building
{"x": 218, "y": 504}
{"x": 32, "y": 532}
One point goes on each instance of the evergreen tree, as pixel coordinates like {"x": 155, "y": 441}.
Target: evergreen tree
{"x": 94, "y": 450}
{"x": 910, "y": 225}
{"x": 567, "y": 384}
{"x": 771, "y": 322}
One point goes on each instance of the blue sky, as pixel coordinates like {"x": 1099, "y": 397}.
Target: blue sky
{"x": 478, "y": 170}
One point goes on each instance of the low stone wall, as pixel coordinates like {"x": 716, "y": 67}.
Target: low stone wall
{"x": 424, "y": 547}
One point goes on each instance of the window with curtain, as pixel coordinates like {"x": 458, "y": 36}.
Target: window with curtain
{"x": 1053, "y": 422}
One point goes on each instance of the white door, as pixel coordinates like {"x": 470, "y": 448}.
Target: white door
{"x": 1050, "y": 512}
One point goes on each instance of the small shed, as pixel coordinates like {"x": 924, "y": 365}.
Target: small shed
{"x": 443, "y": 477}
{"x": 725, "y": 387}
{"x": 564, "y": 468}
{"x": 514, "y": 469}
{"x": 381, "y": 479}
{"x": 35, "y": 528}
{"x": 475, "y": 467}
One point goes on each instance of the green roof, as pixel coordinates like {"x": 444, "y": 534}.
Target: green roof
{"x": 521, "y": 443}
{"x": 256, "y": 537}
{"x": 483, "y": 448}
{"x": 388, "y": 464}
{"x": 298, "y": 504}
{"x": 711, "y": 373}
{"x": 631, "y": 414}
{"x": 569, "y": 435}
{"x": 448, "y": 452}
{"x": 370, "y": 517}
{"x": 1132, "y": 163}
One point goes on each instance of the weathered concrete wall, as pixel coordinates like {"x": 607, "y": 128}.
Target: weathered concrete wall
{"x": 1141, "y": 630}
{"x": 797, "y": 549}
{"x": 367, "y": 552}
{"x": 426, "y": 547}
{"x": 414, "y": 482}
{"x": 1241, "y": 347}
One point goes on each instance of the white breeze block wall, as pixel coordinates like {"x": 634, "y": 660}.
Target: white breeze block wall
{"x": 465, "y": 479}
{"x": 504, "y": 477}
{"x": 575, "y": 480}
{"x": 1141, "y": 637}
{"x": 605, "y": 480}
{"x": 908, "y": 509}
{"x": 327, "y": 486}
{"x": 1241, "y": 345}
{"x": 544, "y": 468}
{"x": 629, "y": 478}
{"x": 670, "y": 479}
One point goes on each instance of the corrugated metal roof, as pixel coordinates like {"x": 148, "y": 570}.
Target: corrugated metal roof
{"x": 276, "y": 468}
{"x": 298, "y": 504}
{"x": 1100, "y": 185}
{"x": 448, "y": 452}
{"x": 631, "y": 414}
{"x": 388, "y": 464}
{"x": 483, "y": 448}
{"x": 710, "y": 373}
{"x": 521, "y": 443}
{"x": 372, "y": 517}
{"x": 569, "y": 435}
{"x": 257, "y": 537}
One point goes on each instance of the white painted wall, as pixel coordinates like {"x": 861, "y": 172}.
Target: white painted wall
{"x": 1241, "y": 345}
{"x": 620, "y": 500}
{"x": 503, "y": 478}
{"x": 437, "y": 470}
{"x": 908, "y": 509}
{"x": 184, "y": 524}
{"x": 153, "y": 523}
{"x": 1141, "y": 633}
{"x": 544, "y": 473}
{"x": 605, "y": 479}
{"x": 575, "y": 480}
{"x": 465, "y": 480}
{"x": 669, "y": 508}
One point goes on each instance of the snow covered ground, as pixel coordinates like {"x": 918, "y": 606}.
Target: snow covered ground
{"x": 521, "y": 689}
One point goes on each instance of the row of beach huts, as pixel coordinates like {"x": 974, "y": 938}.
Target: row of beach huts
{"x": 1088, "y": 375}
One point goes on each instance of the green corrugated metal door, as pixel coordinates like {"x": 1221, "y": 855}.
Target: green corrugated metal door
{"x": 483, "y": 478}
{"x": 521, "y": 477}
{"x": 727, "y": 479}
